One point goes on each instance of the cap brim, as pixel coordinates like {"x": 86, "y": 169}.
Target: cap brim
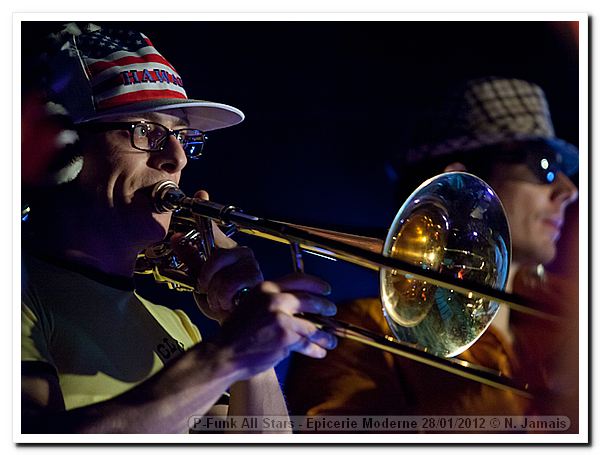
{"x": 202, "y": 115}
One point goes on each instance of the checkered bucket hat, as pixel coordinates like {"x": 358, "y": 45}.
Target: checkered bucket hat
{"x": 493, "y": 111}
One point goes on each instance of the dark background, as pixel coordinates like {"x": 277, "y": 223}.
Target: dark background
{"x": 328, "y": 103}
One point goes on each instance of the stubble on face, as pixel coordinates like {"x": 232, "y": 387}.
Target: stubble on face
{"x": 535, "y": 218}
{"x": 117, "y": 181}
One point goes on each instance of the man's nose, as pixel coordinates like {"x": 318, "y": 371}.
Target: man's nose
{"x": 171, "y": 159}
{"x": 564, "y": 189}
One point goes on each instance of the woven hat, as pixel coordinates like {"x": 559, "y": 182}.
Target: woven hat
{"x": 91, "y": 73}
{"x": 492, "y": 111}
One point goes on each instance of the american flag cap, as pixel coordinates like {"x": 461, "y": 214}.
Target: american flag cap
{"x": 102, "y": 72}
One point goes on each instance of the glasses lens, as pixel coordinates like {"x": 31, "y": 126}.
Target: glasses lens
{"x": 192, "y": 141}
{"x": 149, "y": 136}
{"x": 545, "y": 164}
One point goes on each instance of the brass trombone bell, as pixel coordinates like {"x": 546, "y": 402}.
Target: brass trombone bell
{"x": 455, "y": 225}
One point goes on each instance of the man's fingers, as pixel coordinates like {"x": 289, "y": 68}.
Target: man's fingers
{"x": 304, "y": 282}
{"x": 313, "y": 342}
{"x": 299, "y": 302}
{"x": 307, "y": 348}
{"x": 187, "y": 253}
{"x": 223, "y": 258}
{"x": 308, "y": 330}
{"x": 229, "y": 280}
{"x": 324, "y": 339}
{"x": 221, "y": 240}
{"x": 201, "y": 194}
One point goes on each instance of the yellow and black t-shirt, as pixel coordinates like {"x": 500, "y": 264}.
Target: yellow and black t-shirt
{"x": 94, "y": 331}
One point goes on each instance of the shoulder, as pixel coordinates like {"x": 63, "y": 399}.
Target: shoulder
{"x": 173, "y": 320}
{"x": 366, "y": 312}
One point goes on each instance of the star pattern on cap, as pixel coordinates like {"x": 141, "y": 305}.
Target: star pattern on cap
{"x": 99, "y": 44}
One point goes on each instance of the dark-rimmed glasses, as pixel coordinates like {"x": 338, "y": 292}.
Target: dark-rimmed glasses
{"x": 152, "y": 136}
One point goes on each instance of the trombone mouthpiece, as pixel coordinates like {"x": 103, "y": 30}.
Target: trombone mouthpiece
{"x": 166, "y": 196}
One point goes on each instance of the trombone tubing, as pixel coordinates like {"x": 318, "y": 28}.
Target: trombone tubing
{"x": 336, "y": 249}
{"x": 458, "y": 367}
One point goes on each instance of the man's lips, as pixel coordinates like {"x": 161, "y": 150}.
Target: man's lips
{"x": 143, "y": 195}
{"x": 556, "y": 223}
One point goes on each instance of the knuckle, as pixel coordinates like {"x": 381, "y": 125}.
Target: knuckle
{"x": 268, "y": 287}
{"x": 275, "y": 302}
{"x": 280, "y": 319}
{"x": 290, "y": 339}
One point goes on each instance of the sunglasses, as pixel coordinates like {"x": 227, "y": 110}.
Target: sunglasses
{"x": 545, "y": 164}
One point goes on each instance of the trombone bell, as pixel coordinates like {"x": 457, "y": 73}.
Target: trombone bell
{"x": 455, "y": 225}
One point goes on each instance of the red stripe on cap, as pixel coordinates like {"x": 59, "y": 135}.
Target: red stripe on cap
{"x": 139, "y": 95}
{"x": 98, "y": 67}
{"x": 147, "y": 40}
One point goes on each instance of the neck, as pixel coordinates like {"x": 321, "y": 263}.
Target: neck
{"x": 512, "y": 273}
{"x": 92, "y": 241}
{"x": 112, "y": 259}
{"x": 502, "y": 320}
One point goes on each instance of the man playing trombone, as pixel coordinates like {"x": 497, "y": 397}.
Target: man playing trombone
{"x": 97, "y": 357}
{"x": 500, "y": 130}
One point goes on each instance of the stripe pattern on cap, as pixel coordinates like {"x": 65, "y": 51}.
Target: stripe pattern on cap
{"x": 123, "y": 67}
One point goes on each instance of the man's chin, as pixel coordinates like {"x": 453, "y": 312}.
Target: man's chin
{"x": 151, "y": 229}
{"x": 162, "y": 222}
{"x": 535, "y": 255}
{"x": 546, "y": 254}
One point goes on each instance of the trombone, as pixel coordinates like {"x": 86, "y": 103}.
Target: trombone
{"x": 425, "y": 216}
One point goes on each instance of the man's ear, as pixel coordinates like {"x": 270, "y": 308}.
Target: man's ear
{"x": 456, "y": 166}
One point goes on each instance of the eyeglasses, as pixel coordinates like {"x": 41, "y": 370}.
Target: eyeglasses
{"x": 152, "y": 137}
{"x": 545, "y": 164}
{"x": 542, "y": 161}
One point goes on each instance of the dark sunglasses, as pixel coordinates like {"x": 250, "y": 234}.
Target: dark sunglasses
{"x": 545, "y": 164}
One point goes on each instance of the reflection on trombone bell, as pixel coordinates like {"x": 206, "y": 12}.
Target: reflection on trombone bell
{"x": 442, "y": 266}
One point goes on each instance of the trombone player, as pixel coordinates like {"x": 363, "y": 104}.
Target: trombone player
{"x": 500, "y": 130}
{"x": 97, "y": 357}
